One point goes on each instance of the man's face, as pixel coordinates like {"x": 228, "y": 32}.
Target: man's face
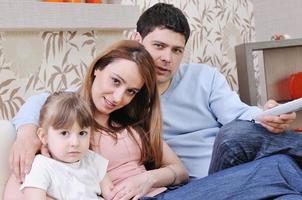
{"x": 167, "y": 49}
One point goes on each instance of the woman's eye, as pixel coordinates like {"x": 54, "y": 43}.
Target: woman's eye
{"x": 83, "y": 133}
{"x": 116, "y": 81}
{"x": 64, "y": 133}
{"x": 131, "y": 92}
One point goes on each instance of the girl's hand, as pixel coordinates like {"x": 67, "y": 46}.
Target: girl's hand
{"x": 134, "y": 187}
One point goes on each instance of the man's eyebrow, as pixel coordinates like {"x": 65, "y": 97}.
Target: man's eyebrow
{"x": 179, "y": 47}
{"x": 165, "y": 44}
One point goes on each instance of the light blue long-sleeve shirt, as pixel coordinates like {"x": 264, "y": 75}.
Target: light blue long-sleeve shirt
{"x": 197, "y": 103}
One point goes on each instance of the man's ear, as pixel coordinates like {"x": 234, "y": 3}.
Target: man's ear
{"x": 136, "y": 36}
{"x": 42, "y": 135}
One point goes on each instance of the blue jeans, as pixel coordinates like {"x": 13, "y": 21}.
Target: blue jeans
{"x": 274, "y": 177}
{"x": 243, "y": 141}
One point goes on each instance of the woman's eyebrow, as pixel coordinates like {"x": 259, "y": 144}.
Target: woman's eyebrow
{"x": 123, "y": 80}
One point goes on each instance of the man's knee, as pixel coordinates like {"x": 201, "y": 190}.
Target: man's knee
{"x": 239, "y": 131}
{"x": 281, "y": 160}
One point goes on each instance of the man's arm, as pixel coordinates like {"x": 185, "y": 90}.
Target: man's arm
{"x": 27, "y": 143}
{"x": 30, "y": 111}
{"x": 227, "y": 106}
{"x": 276, "y": 124}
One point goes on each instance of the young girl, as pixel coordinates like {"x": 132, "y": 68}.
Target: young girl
{"x": 73, "y": 171}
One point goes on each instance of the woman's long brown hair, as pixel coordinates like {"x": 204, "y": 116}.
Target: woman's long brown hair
{"x": 143, "y": 112}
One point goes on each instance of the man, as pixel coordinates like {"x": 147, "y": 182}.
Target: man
{"x": 196, "y": 99}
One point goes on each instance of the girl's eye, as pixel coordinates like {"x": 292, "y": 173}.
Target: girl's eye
{"x": 64, "y": 133}
{"x": 116, "y": 82}
{"x": 83, "y": 133}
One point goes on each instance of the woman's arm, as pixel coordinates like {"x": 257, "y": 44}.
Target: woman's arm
{"x": 172, "y": 172}
{"x": 35, "y": 193}
{"x": 107, "y": 187}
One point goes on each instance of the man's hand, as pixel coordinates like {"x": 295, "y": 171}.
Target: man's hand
{"x": 276, "y": 124}
{"x": 23, "y": 151}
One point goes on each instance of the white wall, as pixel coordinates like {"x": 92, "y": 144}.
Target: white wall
{"x": 277, "y": 17}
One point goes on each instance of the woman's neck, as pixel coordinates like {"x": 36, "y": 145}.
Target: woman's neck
{"x": 102, "y": 119}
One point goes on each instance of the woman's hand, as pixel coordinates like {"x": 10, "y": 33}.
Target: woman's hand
{"x": 23, "y": 151}
{"x": 276, "y": 124}
{"x": 134, "y": 187}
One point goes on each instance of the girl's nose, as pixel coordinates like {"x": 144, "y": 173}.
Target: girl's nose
{"x": 74, "y": 140}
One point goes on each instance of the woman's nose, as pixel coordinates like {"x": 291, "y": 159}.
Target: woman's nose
{"x": 118, "y": 95}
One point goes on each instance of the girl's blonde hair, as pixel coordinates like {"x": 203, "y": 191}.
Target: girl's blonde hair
{"x": 143, "y": 112}
{"x": 63, "y": 109}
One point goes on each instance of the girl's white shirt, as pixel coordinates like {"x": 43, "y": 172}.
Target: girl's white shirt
{"x": 68, "y": 181}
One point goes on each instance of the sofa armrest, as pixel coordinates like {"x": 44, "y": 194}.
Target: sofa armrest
{"x": 7, "y": 137}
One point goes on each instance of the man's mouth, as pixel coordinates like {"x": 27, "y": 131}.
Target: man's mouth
{"x": 161, "y": 70}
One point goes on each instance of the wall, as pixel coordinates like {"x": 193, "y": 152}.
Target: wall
{"x": 274, "y": 17}
{"x": 277, "y": 17}
{"x": 32, "y": 62}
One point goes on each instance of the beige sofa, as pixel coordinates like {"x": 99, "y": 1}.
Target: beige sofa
{"x": 7, "y": 138}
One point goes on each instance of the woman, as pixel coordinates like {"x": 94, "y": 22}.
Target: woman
{"x": 120, "y": 88}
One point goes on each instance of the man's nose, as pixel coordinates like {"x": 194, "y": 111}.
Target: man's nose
{"x": 166, "y": 56}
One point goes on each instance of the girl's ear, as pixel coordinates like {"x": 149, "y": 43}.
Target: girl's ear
{"x": 136, "y": 36}
{"x": 42, "y": 135}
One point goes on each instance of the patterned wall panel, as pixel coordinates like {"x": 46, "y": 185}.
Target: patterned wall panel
{"x": 217, "y": 27}
{"x": 32, "y": 62}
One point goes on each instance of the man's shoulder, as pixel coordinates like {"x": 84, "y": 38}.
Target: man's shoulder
{"x": 197, "y": 70}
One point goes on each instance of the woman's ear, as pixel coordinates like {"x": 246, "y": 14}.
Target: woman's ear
{"x": 42, "y": 135}
{"x": 136, "y": 36}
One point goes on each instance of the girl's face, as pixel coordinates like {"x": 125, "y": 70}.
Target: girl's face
{"x": 68, "y": 145}
{"x": 115, "y": 86}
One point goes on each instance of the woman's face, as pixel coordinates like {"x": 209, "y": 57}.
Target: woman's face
{"x": 115, "y": 86}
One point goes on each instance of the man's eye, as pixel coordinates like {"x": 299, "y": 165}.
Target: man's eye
{"x": 158, "y": 45}
{"x": 83, "y": 133}
{"x": 178, "y": 51}
{"x": 64, "y": 133}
